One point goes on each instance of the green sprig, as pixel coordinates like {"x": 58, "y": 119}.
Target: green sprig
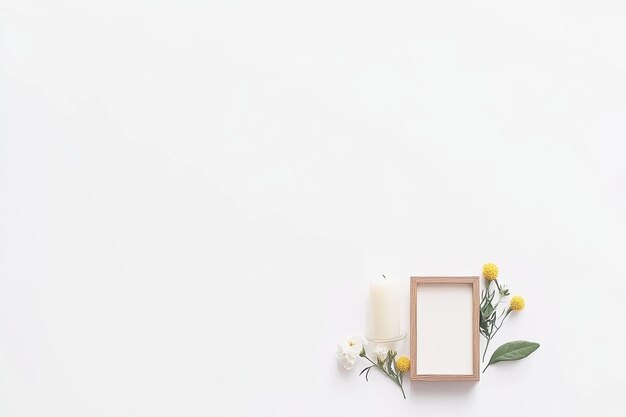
{"x": 489, "y": 327}
{"x": 489, "y": 314}
{"x": 388, "y": 367}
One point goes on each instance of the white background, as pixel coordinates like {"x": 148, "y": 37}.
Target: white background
{"x": 194, "y": 196}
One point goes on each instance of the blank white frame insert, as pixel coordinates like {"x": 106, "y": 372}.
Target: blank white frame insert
{"x": 444, "y": 329}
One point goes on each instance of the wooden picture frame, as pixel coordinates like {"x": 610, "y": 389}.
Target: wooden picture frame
{"x": 445, "y": 342}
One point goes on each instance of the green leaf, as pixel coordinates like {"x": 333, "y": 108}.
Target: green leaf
{"x": 512, "y": 351}
{"x": 365, "y": 370}
{"x": 487, "y": 310}
{"x": 390, "y": 364}
{"x": 483, "y": 323}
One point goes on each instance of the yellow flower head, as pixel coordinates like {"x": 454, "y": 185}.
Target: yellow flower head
{"x": 517, "y": 303}
{"x": 490, "y": 271}
{"x": 403, "y": 364}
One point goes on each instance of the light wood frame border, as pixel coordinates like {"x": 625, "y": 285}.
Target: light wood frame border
{"x": 474, "y": 282}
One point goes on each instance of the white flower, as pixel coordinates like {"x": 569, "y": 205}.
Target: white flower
{"x": 347, "y": 359}
{"x": 381, "y": 353}
{"x": 348, "y": 350}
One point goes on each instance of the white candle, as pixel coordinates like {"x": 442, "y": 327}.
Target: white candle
{"x": 385, "y": 309}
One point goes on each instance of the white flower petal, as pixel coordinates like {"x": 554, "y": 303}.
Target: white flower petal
{"x": 380, "y": 352}
{"x": 348, "y": 350}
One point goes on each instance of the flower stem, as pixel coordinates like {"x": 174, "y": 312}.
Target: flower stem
{"x": 494, "y": 333}
{"x": 402, "y": 389}
{"x": 486, "y": 347}
{"x": 498, "y": 327}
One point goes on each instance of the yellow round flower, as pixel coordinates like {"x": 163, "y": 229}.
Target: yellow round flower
{"x": 490, "y": 271}
{"x": 517, "y": 303}
{"x": 403, "y": 364}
